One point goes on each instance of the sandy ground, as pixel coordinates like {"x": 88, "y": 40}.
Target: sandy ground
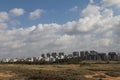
{"x": 102, "y": 74}
{"x": 7, "y": 74}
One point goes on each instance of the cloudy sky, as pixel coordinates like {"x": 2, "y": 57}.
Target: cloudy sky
{"x": 32, "y": 27}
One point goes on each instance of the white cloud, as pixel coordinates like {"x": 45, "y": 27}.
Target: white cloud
{"x": 3, "y": 16}
{"x": 91, "y": 1}
{"x": 30, "y": 40}
{"x": 35, "y": 14}
{"x": 100, "y": 26}
{"x": 111, "y": 3}
{"x": 91, "y": 10}
{"x": 98, "y": 30}
{"x": 3, "y": 25}
{"x": 106, "y": 42}
{"x": 74, "y": 9}
{"x": 107, "y": 13}
{"x": 87, "y": 33}
{"x": 65, "y": 40}
{"x": 17, "y": 12}
{"x": 85, "y": 24}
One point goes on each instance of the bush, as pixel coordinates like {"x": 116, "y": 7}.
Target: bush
{"x": 85, "y": 64}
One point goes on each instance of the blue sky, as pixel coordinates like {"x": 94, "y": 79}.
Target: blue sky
{"x": 32, "y": 27}
{"x": 56, "y": 11}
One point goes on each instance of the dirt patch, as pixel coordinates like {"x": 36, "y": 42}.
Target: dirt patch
{"x": 89, "y": 76}
{"x": 112, "y": 78}
{"x": 101, "y": 75}
{"x": 7, "y": 74}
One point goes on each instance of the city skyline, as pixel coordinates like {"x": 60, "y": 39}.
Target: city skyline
{"x": 62, "y": 57}
{"x": 30, "y": 28}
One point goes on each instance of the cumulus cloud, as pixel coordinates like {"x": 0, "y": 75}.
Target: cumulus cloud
{"x": 33, "y": 40}
{"x": 17, "y": 12}
{"x": 74, "y": 9}
{"x": 91, "y": 1}
{"x": 111, "y": 3}
{"x": 4, "y": 16}
{"x": 88, "y": 11}
{"x": 85, "y": 24}
{"x": 65, "y": 40}
{"x": 98, "y": 30}
{"x": 35, "y": 14}
{"x": 3, "y": 25}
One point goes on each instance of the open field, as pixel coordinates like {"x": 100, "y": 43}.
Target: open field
{"x": 82, "y": 71}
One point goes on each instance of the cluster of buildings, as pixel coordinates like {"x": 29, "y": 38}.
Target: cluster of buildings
{"x": 52, "y": 57}
{"x": 43, "y": 58}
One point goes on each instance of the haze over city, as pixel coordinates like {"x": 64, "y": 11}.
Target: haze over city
{"x": 31, "y": 28}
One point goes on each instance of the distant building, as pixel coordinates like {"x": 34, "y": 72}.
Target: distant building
{"x": 112, "y": 56}
{"x": 86, "y": 55}
{"x": 61, "y": 55}
{"x": 5, "y": 60}
{"x": 82, "y": 54}
{"x": 102, "y": 56}
{"x": 29, "y": 59}
{"x": 75, "y": 54}
{"x": 118, "y": 56}
{"x": 93, "y": 55}
{"x": 43, "y": 55}
{"x": 54, "y": 54}
{"x": 48, "y": 55}
{"x": 69, "y": 56}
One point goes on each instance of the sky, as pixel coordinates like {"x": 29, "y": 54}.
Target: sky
{"x": 30, "y": 28}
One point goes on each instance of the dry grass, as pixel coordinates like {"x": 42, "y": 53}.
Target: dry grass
{"x": 7, "y": 74}
{"x": 60, "y": 72}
